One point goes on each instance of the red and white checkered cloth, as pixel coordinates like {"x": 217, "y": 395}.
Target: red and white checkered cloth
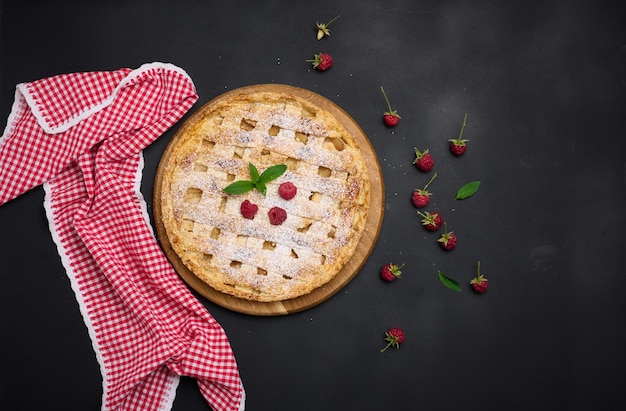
{"x": 82, "y": 136}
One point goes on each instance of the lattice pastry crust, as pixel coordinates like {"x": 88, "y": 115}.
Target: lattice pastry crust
{"x": 254, "y": 259}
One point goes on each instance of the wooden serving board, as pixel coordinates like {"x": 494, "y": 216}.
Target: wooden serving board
{"x": 352, "y": 267}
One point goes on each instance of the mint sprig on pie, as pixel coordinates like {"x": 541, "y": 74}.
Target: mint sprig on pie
{"x": 258, "y": 181}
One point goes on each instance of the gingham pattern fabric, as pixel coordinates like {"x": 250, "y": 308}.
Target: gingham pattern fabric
{"x": 81, "y": 135}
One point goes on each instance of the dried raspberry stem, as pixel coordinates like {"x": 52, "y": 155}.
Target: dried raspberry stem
{"x": 430, "y": 181}
{"x": 386, "y": 99}
{"x": 463, "y": 127}
{"x": 388, "y": 345}
{"x": 333, "y": 19}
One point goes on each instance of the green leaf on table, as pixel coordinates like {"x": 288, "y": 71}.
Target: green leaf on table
{"x": 448, "y": 282}
{"x": 467, "y": 190}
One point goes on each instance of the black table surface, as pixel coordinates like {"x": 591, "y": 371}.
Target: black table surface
{"x": 544, "y": 86}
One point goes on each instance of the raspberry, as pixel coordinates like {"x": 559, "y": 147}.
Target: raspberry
{"x": 447, "y": 239}
{"x": 277, "y": 215}
{"x": 391, "y": 118}
{"x": 322, "y": 61}
{"x": 479, "y": 283}
{"x": 457, "y": 149}
{"x": 431, "y": 221}
{"x": 457, "y": 145}
{"x": 248, "y": 210}
{"x": 420, "y": 200}
{"x": 287, "y": 190}
{"x": 394, "y": 337}
{"x": 423, "y": 160}
{"x": 391, "y": 271}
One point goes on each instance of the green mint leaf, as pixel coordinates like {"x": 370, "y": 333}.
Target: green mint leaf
{"x": 272, "y": 173}
{"x": 260, "y": 185}
{"x": 467, "y": 190}
{"x": 258, "y": 181}
{"x": 254, "y": 173}
{"x": 448, "y": 282}
{"x": 239, "y": 187}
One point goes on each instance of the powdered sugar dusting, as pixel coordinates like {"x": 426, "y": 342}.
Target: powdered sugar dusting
{"x": 252, "y": 257}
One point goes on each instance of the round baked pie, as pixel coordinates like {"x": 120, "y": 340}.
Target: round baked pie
{"x": 258, "y": 258}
